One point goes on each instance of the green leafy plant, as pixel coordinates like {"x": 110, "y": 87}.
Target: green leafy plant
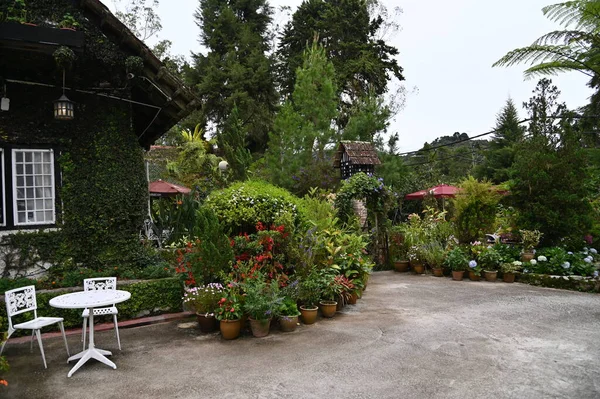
{"x": 512, "y": 267}
{"x": 475, "y": 207}
{"x": 262, "y": 301}
{"x": 456, "y": 259}
{"x": 310, "y": 289}
{"x": 489, "y": 259}
{"x": 288, "y": 308}
{"x": 434, "y": 254}
{"x": 69, "y": 21}
{"x": 530, "y": 239}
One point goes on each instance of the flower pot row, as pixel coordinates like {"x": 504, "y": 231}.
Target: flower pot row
{"x": 487, "y": 275}
{"x": 231, "y": 329}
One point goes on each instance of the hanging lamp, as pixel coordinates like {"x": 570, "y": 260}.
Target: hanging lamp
{"x": 64, "y": 109}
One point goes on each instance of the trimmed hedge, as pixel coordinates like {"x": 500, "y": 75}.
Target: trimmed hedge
{"x": 573, "y": 283}
{"x": 148, "y": 297}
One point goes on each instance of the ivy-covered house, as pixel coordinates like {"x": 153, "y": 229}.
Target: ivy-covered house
{"x": 81, "y": 98}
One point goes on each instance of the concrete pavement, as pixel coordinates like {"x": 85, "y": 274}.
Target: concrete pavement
{"x": 409, "y": 337}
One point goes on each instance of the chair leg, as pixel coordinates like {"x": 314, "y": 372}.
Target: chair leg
{"x": 31, "y": 343}
{"x": 39, "y": 338}
{"x": 4, "y": 343}
{"x": 117, "y": 330}
{"x": 62, "y": 330}
{"x": 83, "y": 329}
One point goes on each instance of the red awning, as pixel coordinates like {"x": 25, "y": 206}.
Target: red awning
{"x": 160, "y": 188}
{"x": 441, "y": 191}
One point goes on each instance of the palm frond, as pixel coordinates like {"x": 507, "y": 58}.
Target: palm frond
{"x": 554, "y": 68}
{"x": 566, "y": 37}
{"x": 582, "y": 14}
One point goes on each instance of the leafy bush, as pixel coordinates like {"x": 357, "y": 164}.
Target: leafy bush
{"x": 242, "y": 205}
{"x": 489, "y": 259}
{"x": 475, "y": 207}
{"x": 456, "y": 259}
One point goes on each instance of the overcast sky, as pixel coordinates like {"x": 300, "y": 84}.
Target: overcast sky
{"x": 446, "y": 49}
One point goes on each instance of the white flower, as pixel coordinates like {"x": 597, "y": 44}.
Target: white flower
{"x": 542, "y": 258}
{"x": 533, "y": 262}
{"x": 566, "y": 265}
{"x": 587, "y": 260}
{"x": 569, "y": 253}
{"x": 525, "y": 270}
{"x": 593, "y": 250}
{"x": 595, "y": 273}
{"x": 517, "y": 263}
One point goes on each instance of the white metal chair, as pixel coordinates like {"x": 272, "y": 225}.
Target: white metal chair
{"x": 101, "y": 283}
{"x": 21, "y": 300}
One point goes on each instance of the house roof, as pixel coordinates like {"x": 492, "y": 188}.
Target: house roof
{"x": 359, "y": 153}
{"x": 163, "y": 89}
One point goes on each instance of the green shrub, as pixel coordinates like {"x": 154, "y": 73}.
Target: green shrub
{"x": 241, "y": 206}
{"x": 475, "y": 207}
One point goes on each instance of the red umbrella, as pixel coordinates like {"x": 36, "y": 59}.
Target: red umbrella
{"x": 441, "y": 191}
{"x": 160, "y": 188}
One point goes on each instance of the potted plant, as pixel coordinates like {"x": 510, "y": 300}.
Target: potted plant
{"x": 457, "y": 262}
{"x": 415, "y": 257}
{"x": 288, "y": 315}
{"x": 490, "y": 259}
{"x": 204, "y": 300}
{"x": 398, "y": 249}
{"x": 229, "y": 313}
{"x": 509, "y": 270}
{"x": 530, "y": 239}
{"x": 330, "y": 291}
{"x": 345, "y": 288}
{"x": 17, "y": 12}
{"x": 261, "y": 302}
{"x": 434, "y": 255}
{"x": 68, "y": 22}
{"x": 309, "y": 293}
{"x": 474, "y": 271}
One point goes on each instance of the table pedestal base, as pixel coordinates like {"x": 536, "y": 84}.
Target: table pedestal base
{"x": 88, "y": 354}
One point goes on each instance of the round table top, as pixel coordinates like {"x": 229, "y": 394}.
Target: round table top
{"x": 89, "y": 299}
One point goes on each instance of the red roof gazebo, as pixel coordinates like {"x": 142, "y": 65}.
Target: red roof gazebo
{"x": 161, "y": 188}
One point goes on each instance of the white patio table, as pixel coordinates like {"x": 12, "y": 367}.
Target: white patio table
{"x": 90, "y": 300}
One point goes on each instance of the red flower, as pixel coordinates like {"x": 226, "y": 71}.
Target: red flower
{"x": 232, "y": 310}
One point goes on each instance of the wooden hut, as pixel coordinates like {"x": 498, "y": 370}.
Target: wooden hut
{"x": 355, "y": 156}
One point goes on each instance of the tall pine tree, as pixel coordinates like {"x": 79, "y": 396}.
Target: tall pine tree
{"x": 501, "y": 153}
{"x": 236, "y": 70}
{"x": 297, "y": 157}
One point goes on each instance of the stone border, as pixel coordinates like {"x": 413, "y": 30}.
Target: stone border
{"x": 573, "y": 283}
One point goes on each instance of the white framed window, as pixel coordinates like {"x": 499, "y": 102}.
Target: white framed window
{"x": 2, "y": 191}
{"x": 33, "y": 187}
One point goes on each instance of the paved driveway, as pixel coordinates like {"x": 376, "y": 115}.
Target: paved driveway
{"x": 409, "y": 337}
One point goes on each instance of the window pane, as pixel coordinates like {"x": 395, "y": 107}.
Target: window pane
{"x": 35, "y": 189}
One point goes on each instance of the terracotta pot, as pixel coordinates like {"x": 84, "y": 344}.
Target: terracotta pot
{"x": 230, "y": 329}
{"x": 508, "y": 277}
{"x": 527, "y": 256}
{"x": 309, "y": 315}
{"x": 473, "y": 276}
{"x": 288, "y": 323}
{"x": 457, "y": 275}
{"x": 438, "y": 272}
{"x": 328, "y": 308}
{"x": 490, "y": 275}
{"x": 418, "y": 268}
{"x": 207, "y": 324}
{"x": 260, "y": 328}
{"x": 401, "y": 266}
{"x": 353, "y": 298}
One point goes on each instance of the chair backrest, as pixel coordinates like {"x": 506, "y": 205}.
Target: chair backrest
{"x": 100, "y": 284}
{"x": 20, "y": 300}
